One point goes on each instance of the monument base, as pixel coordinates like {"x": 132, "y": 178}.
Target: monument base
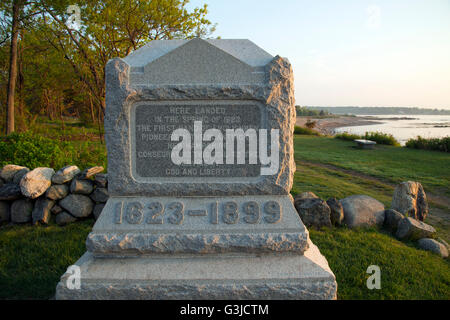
{"x": 225, "y": 276}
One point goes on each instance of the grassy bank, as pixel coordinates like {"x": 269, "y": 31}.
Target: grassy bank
{"x": 33, "y": 258}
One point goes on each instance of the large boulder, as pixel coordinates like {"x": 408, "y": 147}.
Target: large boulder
{"x": 77, "y": 205}
{"x": 10, "y": 191}
{"x": 306, "y": 195}
{"x": 392, "y": 219}
{"x": 64, "y": 218}
{"x": 100, "y": 195}
{"x": 81, "y": 186}
{"x": 433, "y": 246}
{"x": 412, "y": 229}
{"x": 410, "y": 200}
{"x": 362, "y": 211}
{"x": 337, "y": 212}
{"x": 4, "y": 211}
{"x": 41, "y": 212}
{"x": 57, "y": 191}
{"x": 65, "y": 174}
{"x": 19, "y": 175}
{"x": 36, "y": 182}
{"x": 7, "y": 172}
{"x": 314, "y": 212}
{"x": 21, "y": 211}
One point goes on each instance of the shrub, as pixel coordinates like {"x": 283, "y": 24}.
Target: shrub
{"x": 310, "y": 124}
{"x": 438, "y": 144}
{"x": 306, "y": 131}
{"x": 382, "y": 138}
{"x": 33, "y": 151}
{"x": 378, "y": 137}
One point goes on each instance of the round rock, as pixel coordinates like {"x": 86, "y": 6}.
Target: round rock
{"x": 392, "y": 219}
{"x": 65, "y": 174}
{"x": 7, "y": 172}
{"x": 64, "y": 218}
{"x": 362, "y": 211}
{"x": 36, "y": 182}
{"x": 10, "y": 191}
{"x": 100, "y": 195}
{"x": 337, "y": 212}
{"x": 19, "y": 175}
{"x": 433, "y": 246}
{"x": 78, "y": 205}
{"x": 57, "y": 191}
{"x": 412, "y": 229}
{"x": 21, "y": 211}
{"x": 81, "y": 186}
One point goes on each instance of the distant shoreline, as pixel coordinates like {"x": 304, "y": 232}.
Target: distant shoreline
{"x": 327, "y": 126}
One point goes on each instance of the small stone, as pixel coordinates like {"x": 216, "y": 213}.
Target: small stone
{"x": 7, "y": 173}
{"x": 412, "y": 229}
{"x": 56, "y": 209}
{"x": 98, "y": 209}
{"x": 4, "y": 211}
{"x": 64, "y": 218}
{"x": 57, "y": 191}
{"x": 41, "y": 211}
{"x": 19, "y": 175}
{"x": 65, "y": 174}
{"x": 78, "y": 205}
{"x": 36, "y": 182}
{"x": 337, "y": 212}
{"x": 89, "y": 172}
{"x": 100, "y": 195}
{"x": 21, "y": 211}
{"x": 314, "y": 212}
{"x": 392, "y": 219}
{"x": 101, "y": 180}
{"x": 10, "y": 191}
{"x": 410, "y": 200}
{"x": 81, "y": 186}
{"x": 362, "y": 211}
{"x": 433, "y": 246}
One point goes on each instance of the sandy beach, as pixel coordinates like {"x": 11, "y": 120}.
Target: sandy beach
{"x": 328, "y": 125}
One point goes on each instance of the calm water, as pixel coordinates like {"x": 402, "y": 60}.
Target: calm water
{"x": 420, "y": 125}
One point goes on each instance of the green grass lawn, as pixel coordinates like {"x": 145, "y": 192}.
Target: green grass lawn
{"x": 33, "y": 258}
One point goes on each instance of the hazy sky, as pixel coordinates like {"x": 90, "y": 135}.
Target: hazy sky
{"x": 350, "y": 52}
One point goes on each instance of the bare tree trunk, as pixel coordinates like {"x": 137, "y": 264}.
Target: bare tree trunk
{"x": 12, "y": 68}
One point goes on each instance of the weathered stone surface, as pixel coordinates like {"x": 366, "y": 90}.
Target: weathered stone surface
{"x": 78, "y": 205}
{"x": 56, "y": 209}
{"x": 410, "y": 199}
{"x": 10, "y": 191}
{"x": 412, "y": 229}
{"x": 7, "y": 172}
{"x": 362, "y": 211}
{"x": 19, "y": 175}
{"x": 4, "y": 211}
{"x": 392, "y": 219}
{"x": 337, "y": 212}
{"x": 36, "y": 182}
{"x": 314, "y": 212}
{"x": 65, "y": 174}
{"x": 306, "y": 276}
{"x": 81, "y": 186}
{"x": 433, "y": 246}
{"x": 41, "y": 212}
{"x": 100, "y": 195}
{"x": 101, "y": 180}
{"x": 21, "y": 211}
{"x": 445, "y": 243}
{"x": 89, "y": 172}
{"x": 98, "y": 210}
{"x": 64, "y": 218}
{"x": 57, "y": 191}
{"x": 306, "y": 195}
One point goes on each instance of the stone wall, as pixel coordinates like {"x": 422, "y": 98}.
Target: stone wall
{"x": 33, "y": 196}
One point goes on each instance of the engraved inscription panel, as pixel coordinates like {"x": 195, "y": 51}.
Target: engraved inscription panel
{"x": 153, "y": 124}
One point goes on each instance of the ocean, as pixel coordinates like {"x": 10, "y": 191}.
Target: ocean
{"x": 426, "y": 126}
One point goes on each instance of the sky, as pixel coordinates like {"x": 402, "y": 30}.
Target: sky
{"x": 350, "y": 52}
